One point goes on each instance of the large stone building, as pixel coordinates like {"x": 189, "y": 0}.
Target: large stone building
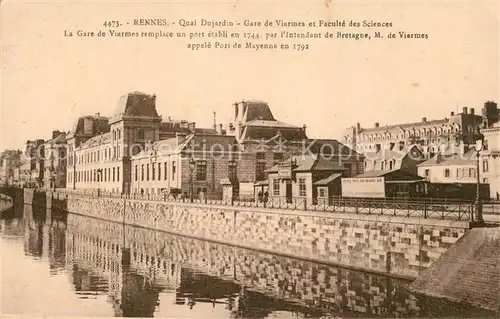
{"x": 100, "y": 148}
{"x": 186, "y": 164}
{"x": 264, "y": 140}
{"x": 431, "y": 135}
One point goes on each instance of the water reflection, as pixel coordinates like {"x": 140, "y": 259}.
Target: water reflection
{"x": 111, "y": 270}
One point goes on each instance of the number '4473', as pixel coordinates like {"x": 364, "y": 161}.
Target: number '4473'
{"x": 111, "y": 24}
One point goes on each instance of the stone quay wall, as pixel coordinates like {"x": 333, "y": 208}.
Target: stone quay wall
{"x": 398, "y": 246}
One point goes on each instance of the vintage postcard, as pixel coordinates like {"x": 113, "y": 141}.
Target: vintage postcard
{"x": 250, "y": 159}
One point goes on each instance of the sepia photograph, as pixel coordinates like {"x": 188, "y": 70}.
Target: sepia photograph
{"x": 250, "y": 159}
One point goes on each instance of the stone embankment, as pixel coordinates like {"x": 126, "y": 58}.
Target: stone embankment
{"x": 468, "y": 273}
{"x": 394, "y": 245}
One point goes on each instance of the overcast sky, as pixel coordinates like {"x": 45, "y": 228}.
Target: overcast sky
{"x": 48, "y": 80}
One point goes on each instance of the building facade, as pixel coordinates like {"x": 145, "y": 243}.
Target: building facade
{"x": 406, "y": 159}
{"x": 55, "y": 161}
{"x": 490, "y": 159}
{"x": 430, "y": 135}
{"x": 100, "y": 148}
{"x": 315, "y": 174}
{"x": 193, "y": 164}
{"x": 447, "y": 169}
{"x": 263, "y": 140}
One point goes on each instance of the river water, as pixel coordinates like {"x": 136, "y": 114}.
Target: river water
{"x": 79, "y": 266}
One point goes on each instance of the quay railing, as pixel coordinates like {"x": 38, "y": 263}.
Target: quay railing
{"x": 436, "y": 208}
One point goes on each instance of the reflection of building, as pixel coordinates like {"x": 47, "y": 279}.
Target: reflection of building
{"x": 55, "y": 161}
{"x": 430, "y": 135}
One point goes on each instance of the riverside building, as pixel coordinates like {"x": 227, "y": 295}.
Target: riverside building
{"x": 430, "y": 135}
{"x": 100, "y": 148}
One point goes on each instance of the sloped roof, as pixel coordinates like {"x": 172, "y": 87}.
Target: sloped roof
{"x": 435, "y": 160}
{"x": 60, "y": 139}
{"x": 100, "y": 124}
{"x": 328, "y": 180}
{"x": 310, "y": 163}
{"x": 467, "y": 159}
{"x": 97, "y": 140}
{"x": 257, "y": 110}
{"x": 137, "y": 104}
{"x": 268, "y": 132}
{"x": 270, "y": 124}
{"x": 394, "y": 153}
{"x": 379, "y": 173}
{"x": 394, "y": 174}
{"x": 329, "y": 147}
{"x": 405, "y": 125}
{"x": 214, "y": 143}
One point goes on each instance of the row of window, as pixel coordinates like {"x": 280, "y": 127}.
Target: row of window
{"x": 460, "y": 173}
{"x": 159, "y": 171}
{"x": 154, "y": 170}
{"x": 407, "y": 134}
{"x": 302, "y": 187}
{"x": 95, "y": 175}
{"x": 95, "y": 156}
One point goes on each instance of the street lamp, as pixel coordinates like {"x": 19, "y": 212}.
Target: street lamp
{"x": 479, "y": 138}
{"x": 192, "y": 164}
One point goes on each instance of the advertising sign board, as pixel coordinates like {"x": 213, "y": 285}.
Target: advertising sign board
{"x": 363, "y": 187}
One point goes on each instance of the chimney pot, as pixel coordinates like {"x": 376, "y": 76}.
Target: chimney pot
{"x": 452, "y": 113}
{"x": 377, "y": 124}
{"x": 465, "y": 110}
{"x": 424, "y": 119}
{"x": 472, "y": 111}
{"x": 304, "y": 127}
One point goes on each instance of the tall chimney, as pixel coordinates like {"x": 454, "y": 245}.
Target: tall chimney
{"x": 220, "y": 128}
{"x": 472, "y": 111}
{"x": 358, "y": 127}
{"x": 424, "y": 119}
{"x": 304, "y": 127}
{"x": 377, "y": 124}
{"x": 465, "y": 110}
